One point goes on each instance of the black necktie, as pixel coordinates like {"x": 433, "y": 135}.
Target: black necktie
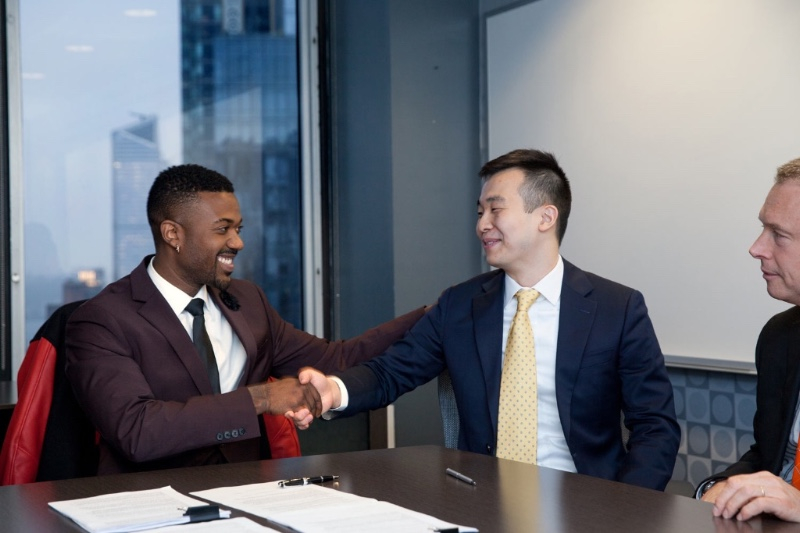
{"x": 203, "y": 343}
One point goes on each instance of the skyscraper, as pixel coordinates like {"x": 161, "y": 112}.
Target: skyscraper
{"x": 241, "y": 118}
{"x": 136, "y": 161}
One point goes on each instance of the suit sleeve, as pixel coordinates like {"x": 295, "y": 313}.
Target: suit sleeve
{"x": 647, "y": 400}
{"x": 407, "y": 364}
{"x": 104, "y": 368}
{"x": 293, "y": 349}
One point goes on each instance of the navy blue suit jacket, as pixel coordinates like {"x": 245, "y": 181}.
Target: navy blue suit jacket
{"x": 608, "y": 362}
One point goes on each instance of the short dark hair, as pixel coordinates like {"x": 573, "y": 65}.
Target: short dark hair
{"x": 545, "y": 182}
{"x": 178, "y": 186}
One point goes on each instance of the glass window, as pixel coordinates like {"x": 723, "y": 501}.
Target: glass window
{"x": 111, "y": 95}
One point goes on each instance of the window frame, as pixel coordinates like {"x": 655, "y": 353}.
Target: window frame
{"x": 13, "y": 241}
{"x": 13, "y": 341}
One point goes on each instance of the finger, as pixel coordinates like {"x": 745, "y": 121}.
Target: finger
{"x": 306, "y": 422}
{"x": 301, "y": 414}
{"x": 752, "y": 508}
{"x": 740, "y": 497}
{"x": 301, "y": 419}
{"x": 313, "y": 400}
{"x": 305, "y": 375}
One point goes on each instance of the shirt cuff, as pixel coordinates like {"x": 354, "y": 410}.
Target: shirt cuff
{"x": 344, "y": 397}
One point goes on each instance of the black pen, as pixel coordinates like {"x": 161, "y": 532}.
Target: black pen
{"x": 460, "y": 476}
{"x": 202, "y": 513}
{"x": 306, "y": 480}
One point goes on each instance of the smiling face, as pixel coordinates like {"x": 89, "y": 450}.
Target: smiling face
{"x": 523, "y": 244}
{"x": 778, "y": 246}
{"x": 207, "y": 232}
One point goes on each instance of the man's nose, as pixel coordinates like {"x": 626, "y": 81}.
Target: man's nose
{"x": 757, "y": 249}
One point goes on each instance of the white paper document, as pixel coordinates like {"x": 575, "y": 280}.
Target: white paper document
{"x": 311, "y": 509}
{"x": 130, "y": 511}
{"x": 234, "y": 525}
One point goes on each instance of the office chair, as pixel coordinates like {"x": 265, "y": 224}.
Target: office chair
{"x": 447, "y": 405}
{"x": 50, "y": 438}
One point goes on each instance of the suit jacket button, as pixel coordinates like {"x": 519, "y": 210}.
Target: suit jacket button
{"x": 234, "y": 433}
{"x": 219, "y": 436}
{"x": 227, "y": 434}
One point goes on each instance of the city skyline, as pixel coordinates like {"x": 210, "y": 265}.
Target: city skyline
{"x": 118, "y": 96}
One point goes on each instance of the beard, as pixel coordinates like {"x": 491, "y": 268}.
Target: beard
{"x": 222, "y": 283}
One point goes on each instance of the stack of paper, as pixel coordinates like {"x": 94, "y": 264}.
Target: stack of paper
{"x": 130, "y": 511}
{"x": 313, "y": 509}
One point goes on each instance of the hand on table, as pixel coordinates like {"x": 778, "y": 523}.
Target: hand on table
{"x": 747, "y": 495}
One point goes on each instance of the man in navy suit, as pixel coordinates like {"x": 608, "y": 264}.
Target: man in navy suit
{"x": 595, "y": 348}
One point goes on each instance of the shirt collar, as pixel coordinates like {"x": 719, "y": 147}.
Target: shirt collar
{"x": 176, "y": 298}
{"x": 549, "y": 286}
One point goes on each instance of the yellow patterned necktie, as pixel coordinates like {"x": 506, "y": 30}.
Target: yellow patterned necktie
{"x": 516, "y": 424}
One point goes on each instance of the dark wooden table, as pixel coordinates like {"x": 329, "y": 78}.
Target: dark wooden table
{"x": 509, "y": 496}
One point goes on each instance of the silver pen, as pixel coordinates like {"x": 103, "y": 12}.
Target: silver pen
{"x": 460, "y": 476}
{"x": 306, "y": 480}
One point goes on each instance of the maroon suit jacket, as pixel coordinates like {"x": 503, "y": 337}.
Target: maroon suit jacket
{"x": 137, "y": 375}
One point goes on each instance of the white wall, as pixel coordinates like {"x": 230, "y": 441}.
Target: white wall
{"x": 670, "y": 118}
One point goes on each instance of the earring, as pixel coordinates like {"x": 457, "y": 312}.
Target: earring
{"x": 178, "y": 248}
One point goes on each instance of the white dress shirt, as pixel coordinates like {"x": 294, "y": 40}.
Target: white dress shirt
{"x": 228, "y": 349}
{"x": 551, "y": 445}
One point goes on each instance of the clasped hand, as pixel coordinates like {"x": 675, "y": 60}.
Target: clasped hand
{"x": 325, "y": 387}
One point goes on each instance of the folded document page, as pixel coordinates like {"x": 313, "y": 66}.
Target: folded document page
{"x": 312, "y": 509}
{"x": 132, "y": 511}
{"x": 234, "y": 525}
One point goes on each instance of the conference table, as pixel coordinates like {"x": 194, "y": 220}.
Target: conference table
{"x": 508, "y": 496}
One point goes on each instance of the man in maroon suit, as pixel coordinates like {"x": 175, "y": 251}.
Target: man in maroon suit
{"x": 156, "y": 397}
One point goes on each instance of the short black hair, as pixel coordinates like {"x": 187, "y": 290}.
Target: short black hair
{"x": 177, "y": 186}
{"x": 545, "y": 182}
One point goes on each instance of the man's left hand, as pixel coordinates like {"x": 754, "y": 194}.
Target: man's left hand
{"x": 749, "y": 495}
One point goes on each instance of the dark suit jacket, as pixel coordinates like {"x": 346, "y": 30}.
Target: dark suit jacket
{"x": 778, "y": 367}
{"x": 137, "y": 374}
{"x": 608, "y": 361}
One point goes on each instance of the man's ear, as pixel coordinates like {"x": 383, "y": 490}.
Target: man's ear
{"x": 172, "y": 234}
{"x": 549, "y": 217}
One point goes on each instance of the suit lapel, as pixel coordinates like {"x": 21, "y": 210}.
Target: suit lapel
{"x": 159, "y": 314}
{"x": 575, "y": 321}
{"x": 791, "y": 386}
{"x": 487, "y": 315}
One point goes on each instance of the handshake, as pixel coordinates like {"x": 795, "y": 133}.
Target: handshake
{"x": 300, "y": 399}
